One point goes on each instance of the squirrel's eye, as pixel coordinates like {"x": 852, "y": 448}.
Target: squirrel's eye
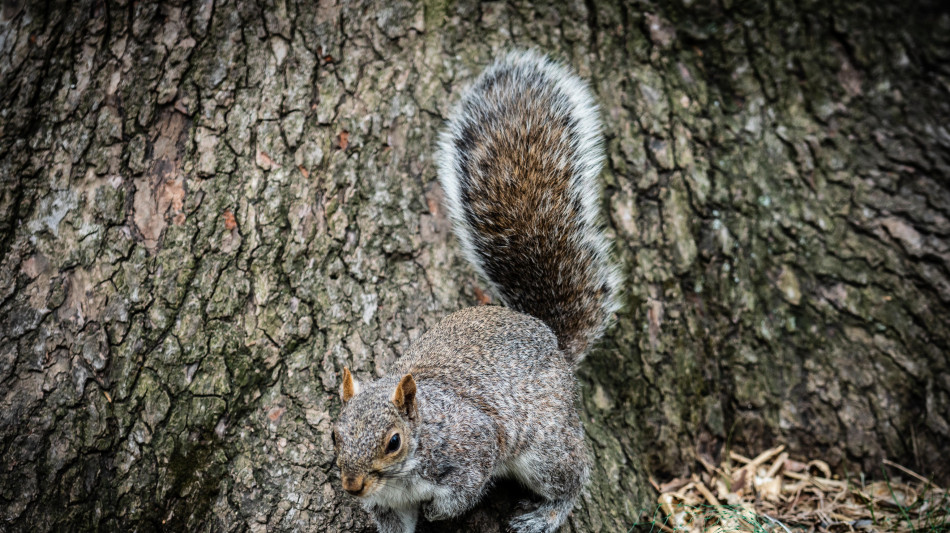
{"x": 393, "y": 445}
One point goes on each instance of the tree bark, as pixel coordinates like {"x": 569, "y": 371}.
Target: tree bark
{"x": 208, "y": 209}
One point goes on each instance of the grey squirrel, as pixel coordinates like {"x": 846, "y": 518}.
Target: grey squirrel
{"x": 490, "y": 391}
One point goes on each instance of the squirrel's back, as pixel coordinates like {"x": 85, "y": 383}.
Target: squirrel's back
{"x": 519, "y": 164}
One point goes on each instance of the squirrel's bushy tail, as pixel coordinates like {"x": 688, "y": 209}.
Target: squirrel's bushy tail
{"x": 519, "y": 163}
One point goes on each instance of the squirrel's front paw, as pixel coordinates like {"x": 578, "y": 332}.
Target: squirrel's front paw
{"x": 546, "y": 519}
{"x": 435, "y": 512}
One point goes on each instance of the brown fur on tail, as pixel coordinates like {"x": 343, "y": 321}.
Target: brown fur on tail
{"x": 519, "y": 164}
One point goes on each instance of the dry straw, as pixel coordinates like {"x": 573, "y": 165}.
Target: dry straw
{"x": 775, "y": 493}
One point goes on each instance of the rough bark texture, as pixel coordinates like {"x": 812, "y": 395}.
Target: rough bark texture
{"x": 207, "y": 210}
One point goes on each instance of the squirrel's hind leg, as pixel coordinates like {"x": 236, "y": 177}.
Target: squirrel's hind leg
{"x": 556, "y": 469}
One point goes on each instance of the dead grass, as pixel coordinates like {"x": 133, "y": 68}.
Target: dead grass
{"x": 775, "y": 493}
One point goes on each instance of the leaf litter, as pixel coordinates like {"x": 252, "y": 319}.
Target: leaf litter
{"x": 774, "y": 493}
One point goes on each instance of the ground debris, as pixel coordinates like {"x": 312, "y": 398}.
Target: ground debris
{"x": 774, "y": 493}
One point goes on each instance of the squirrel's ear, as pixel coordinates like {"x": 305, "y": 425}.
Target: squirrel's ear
{"x": 350, "y": 387}
{"x": 405, "y": 396}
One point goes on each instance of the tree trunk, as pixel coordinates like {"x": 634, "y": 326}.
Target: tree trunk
{"x": 208, "y": 210}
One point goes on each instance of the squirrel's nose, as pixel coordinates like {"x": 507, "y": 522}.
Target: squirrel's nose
{"x": 353, "y": 484}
